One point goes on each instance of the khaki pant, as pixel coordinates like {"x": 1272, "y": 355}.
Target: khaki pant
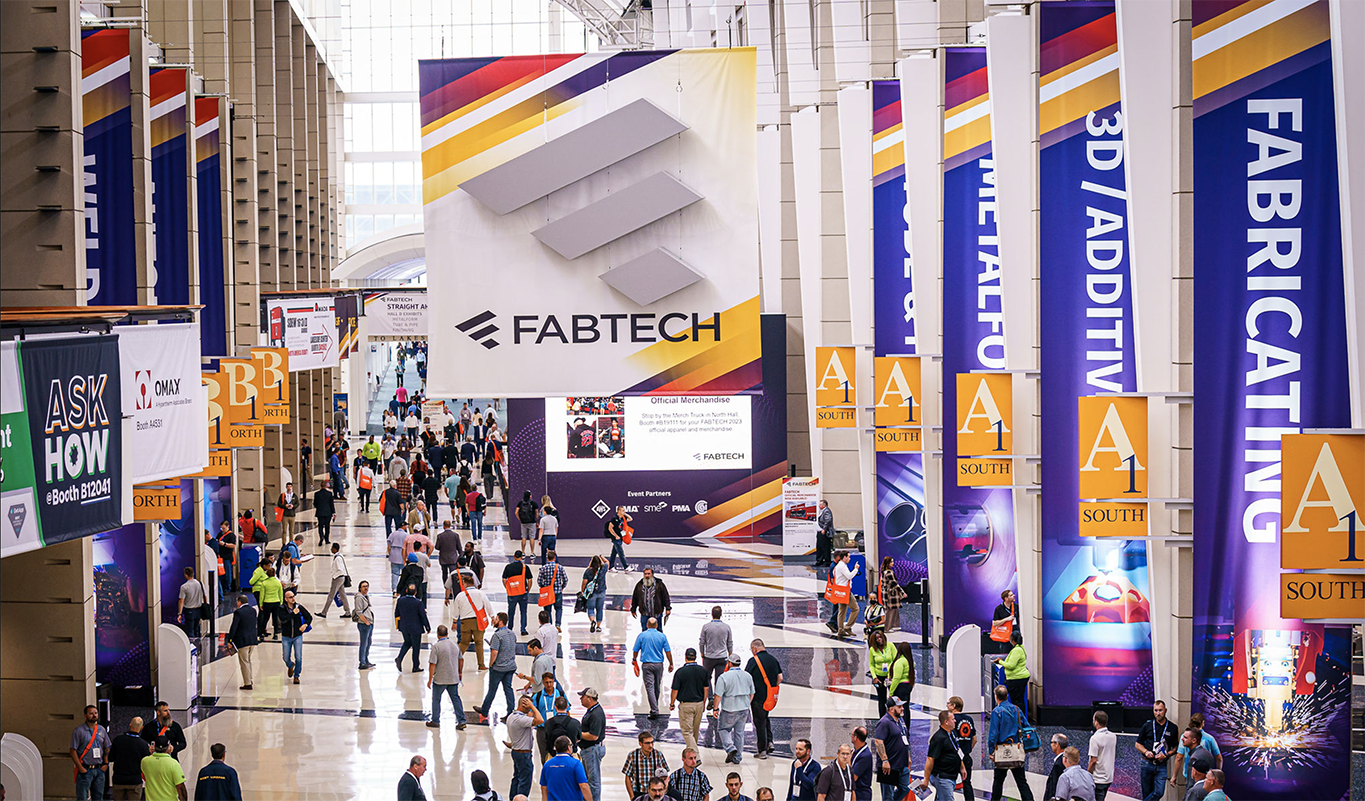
{"x": 133, "y": 792}
{"x": 845, "y": 615}
{"x": 244, "y": 662}
{"x": 288, "y": 523}
{"x": 690, "y": 715}
{"x": 469, "y": 630}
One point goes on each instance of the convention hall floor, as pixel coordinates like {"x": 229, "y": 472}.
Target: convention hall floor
{"x": 344, "y": 733}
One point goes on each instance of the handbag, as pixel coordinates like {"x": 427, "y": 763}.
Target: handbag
{"x": 1000, "y": 632}
{"x": 1032, "y": 742}
{"x": 547, "y": 593}
{"x": 1008, "y": 756}
{"x": 279, "y": 514}
{"x": 836, "y": 593}
{"x": 345, "y": 579}
{"x": 480, "y": 615}
{"x": 771, "y": 701}
{"x": 626, "y": 532}
{"x": 206, "y": 608}
{"x": 516, "y": 585}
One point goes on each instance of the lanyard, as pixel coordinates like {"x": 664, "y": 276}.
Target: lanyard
{"x": 858, "y": 754}
{"x": 845, "y": 776}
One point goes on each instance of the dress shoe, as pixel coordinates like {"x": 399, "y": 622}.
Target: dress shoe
{"x": 296, "y": 679}
{"x": 290, "y": 672}
{"x": 245, "y": 687}
{"x": 431, "y": 724}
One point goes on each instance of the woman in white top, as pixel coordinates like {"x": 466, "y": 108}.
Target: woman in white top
{"x": 548, "y": 527}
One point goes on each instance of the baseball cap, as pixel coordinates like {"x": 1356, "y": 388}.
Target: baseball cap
{"x": 892, "y": 700}
{"x": 163, "y": 741}
{"x": 691, "y": 653}
{"x": 1201, "y": 761}
{"x": 587, "y": 692}
{"x": 661, "y": 773}
{"x": 734, "y": 659}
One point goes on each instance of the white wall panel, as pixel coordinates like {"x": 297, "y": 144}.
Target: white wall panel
{"x": 1348, "y": 68}
{"x": 803, "y": 79}
{"x": 770, "y": 217}
{"x": 805, "y": 125}
{"x": 852, "y": 50}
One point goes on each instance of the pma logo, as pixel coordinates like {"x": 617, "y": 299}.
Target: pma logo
{"x": 600, "y": 509}
{"x": 142, "y": 380}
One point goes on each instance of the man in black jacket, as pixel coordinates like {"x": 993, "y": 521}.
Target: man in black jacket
{"x": 162, "y": 726}
{"x": 242, "y": 637}
{"x": 1058, "y": 745}
{"x": 126, "y": 753}
{"x": 410, "y": 786}
{"x": 324, "y": 503}
{"x": 650, "y": 599}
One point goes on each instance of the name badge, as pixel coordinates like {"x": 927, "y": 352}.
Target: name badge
{"x": 95, "y": 753}
{"x": 905, "y": 739}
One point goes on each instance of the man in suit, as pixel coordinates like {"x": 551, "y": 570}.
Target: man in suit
{"x": 1058, "y": 745}
{"x": 824, "y": 535}
{"x": 410, "y": 786}
{"x": 413, "y": 623}
{"x": 324, "y": 503}
{"x": 243, "y": 637}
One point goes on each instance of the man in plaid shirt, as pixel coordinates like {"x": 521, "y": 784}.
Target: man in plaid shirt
{"x": 641, "y": 764}
{"x": 552, "y": 571}
{"x": 689, "y": 781}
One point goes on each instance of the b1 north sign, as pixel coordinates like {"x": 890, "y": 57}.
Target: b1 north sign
{"x": 152, "y": 503}
{"x": 1112, "y": 465}
{"x": 272, "y": 365}
{"x": 1321, "y": 497}
{"x": 245, "y": 404}
{"x": 216, "y": 392}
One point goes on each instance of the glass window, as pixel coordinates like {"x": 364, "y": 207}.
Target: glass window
{"x": 364, "y": 183}
{"x": 350, "y": 182}
{"x": 382, "y": 223}
{"x": 383, "y": 182}
{"x": 405, "y": 181}
{"x": 364, "y": 227}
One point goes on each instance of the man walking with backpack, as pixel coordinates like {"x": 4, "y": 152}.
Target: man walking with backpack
{"x": 526, "y": 514}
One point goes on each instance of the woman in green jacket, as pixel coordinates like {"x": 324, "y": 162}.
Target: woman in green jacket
{"x": 902, "y": 672}
{"x": 1016, "y": 671}
{"x": 271, "y": 594}
{"x": 880, "y": 655}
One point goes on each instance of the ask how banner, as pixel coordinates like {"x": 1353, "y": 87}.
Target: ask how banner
{"x": 170, "y": 184}
{"x": 163, "y": 401}
{"x": 978, "y": 537}
{"x": 62, "y": 409}
{"x": 106, "y": 107}
{"x": 1270, "y": 359}
{"x": 209, "y": 188}
{"x": 1095, "y": 608}
{"x": 901, "y": 531}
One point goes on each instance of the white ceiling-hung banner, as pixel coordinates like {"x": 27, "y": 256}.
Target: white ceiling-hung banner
{"x": 400, "y": 313}
{"x": 163, "y": 402}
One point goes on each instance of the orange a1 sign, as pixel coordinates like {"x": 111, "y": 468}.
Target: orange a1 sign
{"x": 896, "y": 381}
{"x": 1322, "y": 493}
{"x": 985, "y": 414}
{"x": 836, "y": 377}
{"x": 1113, "y": 447}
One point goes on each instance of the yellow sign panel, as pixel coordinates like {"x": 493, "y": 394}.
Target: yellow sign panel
{"x": 1321, "y": 498}
{"x": 985, "y": 472}
{"x": 156, "y": 503}
{"x": 836, "y": 377}
{"x": 896, "y": 380}
{"x": 246, "y": 436}
{"x": 836, "y": 418}
{"x": 1321, "y": 595}
{"x": 215, "y": 389}
{"x": 1113, "y": 447}
{"x": 244, "y": 396}
{"x": 220, "y": 464}
{"x": 1113, "y": 519}
{"x": 273, "y": 364}
{"x": 985, "y": 415}
{"x": 888, "y": 440}
{"x": 273, "y": 415}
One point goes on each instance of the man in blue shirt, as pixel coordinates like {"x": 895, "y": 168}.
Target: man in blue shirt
{"x": 217, "y": 780}
{"x": 563, "y": 777}
{"x": 1004, "y": 728}
{"x": 804, "y": 772}
{"x": 651, "y": 646}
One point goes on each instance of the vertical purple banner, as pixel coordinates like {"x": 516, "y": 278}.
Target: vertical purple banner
{"x": 901, "y": 532}
{"x": 122, "y": 655}
{"x": 978, "y": 535}
{"x": 1095, "y": 607}
{"x": 1270, "y": 352}
{"x": 176, "y": 540}
{"x": 170, "y": 185}
{"x": 208, "y": 187}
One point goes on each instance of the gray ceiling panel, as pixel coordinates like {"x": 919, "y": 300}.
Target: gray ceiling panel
{"x": 616, "y": 215}
{"x": 573, "y": 156}
{"x": 651, "y": 277}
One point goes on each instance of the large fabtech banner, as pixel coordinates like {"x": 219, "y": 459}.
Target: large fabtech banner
{"x": 396, "y": 313}
{"x": 307, "y": 327}
{"x": 62, "y": 437}
{"x": 900, "y": 476}
{"x": 163, "y": 401}
{"x": 978, "y": 534}
{"x": 594, "y": 220}
{"x": 106, "y": 107}
{"x": 1095, "y": 607}
{"x": 1270, "y": 358}
{"x": 209, "y": 187}
{"x": 170, "y": 185}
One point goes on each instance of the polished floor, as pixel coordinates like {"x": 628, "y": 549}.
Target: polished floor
{"x": 345, "y": 733}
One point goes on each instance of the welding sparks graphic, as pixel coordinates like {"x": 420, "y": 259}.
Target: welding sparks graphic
{"x": 1304, "y": 742}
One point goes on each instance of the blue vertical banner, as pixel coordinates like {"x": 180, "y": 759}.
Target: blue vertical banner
{"x": 170, "y": 185}
{"x": 1095, "y": 607}
{"x": 106, "y": 108}
{"x": 900, "y": 476}
{"x": 1270, "y": 354}
{"x": 122, "y": 646}
{"x": 978, "y": 523}
{"x": 209, "y": 187}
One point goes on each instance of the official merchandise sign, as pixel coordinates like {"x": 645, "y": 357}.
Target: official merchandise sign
{"x": 307, "y": 327}
{"x": 1322, "y": 495}
{"x": 62, "y": 437}
{"x": 163, "y": 401}
{"x": 800, "y": 513}
{"x": 1112, "y": 459}
{"x": 245, "y": 397}
{"x": 396, "y": 314}
{"x": 627, "y": 269}
{"x": 152, "y": 503}
{"x": 272, "y": 369}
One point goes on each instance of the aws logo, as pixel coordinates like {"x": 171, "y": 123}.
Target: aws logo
{"x": 1322, "y": 492}
{"x": 985, "y": 414}
{"x": 1113, "y": 446}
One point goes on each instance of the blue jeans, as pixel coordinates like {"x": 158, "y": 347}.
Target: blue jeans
{"x": 732, "y": 732}
{"x": 192, "y": 623}
{"x": 547, "y": 544}
{"x": 523, "y": 768}
{"x": 91, "y": 784}
{"x": 496, "y": 677}
{"x": 597, "y": 605}
{"x": 476, "y": 525}
{"x": 899, "y": 790}
{"x": 515, "y": 602}
{"x": 592, "y": 765}
{"x": 617, "y": 549}
{"x": 366, "y": 637}
{"x": 389, "y": 522}
{"x": 453, "y": 690}
{"x": 294, "y": 644}
{"x": 558, "y": 606}
{"x": 394, "y": 572}
{"x": 943, "y": 788}
{"x": 1152, "y": 776}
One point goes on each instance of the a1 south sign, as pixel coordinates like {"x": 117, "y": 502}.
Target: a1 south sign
{"x": 1322, "y": 495}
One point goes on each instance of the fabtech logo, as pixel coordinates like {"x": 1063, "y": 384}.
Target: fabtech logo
{"x": 718, "y": 456}
{"x": 586, "y": 329}
{"x": 481, "y": 328}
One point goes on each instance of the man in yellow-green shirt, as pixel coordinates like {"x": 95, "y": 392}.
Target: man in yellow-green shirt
{"x": 270, "y": 592}
{"x": 162, "y": 776}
